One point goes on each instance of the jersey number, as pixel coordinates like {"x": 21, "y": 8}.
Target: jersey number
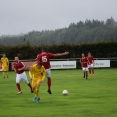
{"x": 44, "y": 59}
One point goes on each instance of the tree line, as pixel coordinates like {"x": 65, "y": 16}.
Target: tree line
{"x": 81, "y": 32}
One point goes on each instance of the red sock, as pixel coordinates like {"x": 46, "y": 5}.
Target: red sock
{"x": 92, "y": 70}
{"x": 86, "y": 74}
{"x": 30, "y": 86}
{"x": 18, "y": 86}
{"x": 49, "y": 83}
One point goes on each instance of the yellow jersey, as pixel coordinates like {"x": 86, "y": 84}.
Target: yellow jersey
{"x": 38, "y": 73}
{"x": 4, "y": 61}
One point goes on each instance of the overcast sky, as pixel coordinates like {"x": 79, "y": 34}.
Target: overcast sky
{"x": 23, "y": 16}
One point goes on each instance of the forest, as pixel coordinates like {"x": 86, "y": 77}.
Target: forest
{"x": 81, "y": 32}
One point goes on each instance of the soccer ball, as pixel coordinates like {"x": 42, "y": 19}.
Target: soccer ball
{"x": 65, "y": 92}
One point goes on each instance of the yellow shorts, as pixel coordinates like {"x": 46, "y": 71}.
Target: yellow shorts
{"x": 5, "y": 68}
{"x": 35, "y": 81}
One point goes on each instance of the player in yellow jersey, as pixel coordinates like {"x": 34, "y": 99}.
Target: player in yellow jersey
{"x": 5, "y": 65}
{"x": 37, "y": 74}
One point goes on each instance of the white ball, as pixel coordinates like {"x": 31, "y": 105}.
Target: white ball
{"x": 65, "y": 92}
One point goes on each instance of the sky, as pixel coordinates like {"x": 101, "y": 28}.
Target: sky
{"x": 23, "y": 16}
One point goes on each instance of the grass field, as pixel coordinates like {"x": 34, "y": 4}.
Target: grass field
{"x": 95, "y": 97}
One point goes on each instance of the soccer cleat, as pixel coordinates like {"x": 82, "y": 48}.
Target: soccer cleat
{"x": 4, "y": 77}
{"x": 38, "y": 100}
{"x": 83, "y": 76}
{"x": 19, "y": 92}
{"x": 49, "y": 91}
{"x": 34, "y": 99}
{"x": 31, "y": 91}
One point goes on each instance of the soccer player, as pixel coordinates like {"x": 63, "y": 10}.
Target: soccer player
{"x": 84, "y": 62}
{"x": 5, "y": 65}
{"x": 91, "y": 63}
{"x": 19, "y": 67}
{"x": 44, "y": 57}
{"x": 38, "y": 72}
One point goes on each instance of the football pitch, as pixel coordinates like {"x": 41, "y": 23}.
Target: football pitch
{"x": 95, "y": 97}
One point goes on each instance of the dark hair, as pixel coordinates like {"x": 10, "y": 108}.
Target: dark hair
{"x": 89, "y": 52}
{"x": 44, "y": 49}
{"x": 39, "y": 63}
{"x": 3, "y": 54}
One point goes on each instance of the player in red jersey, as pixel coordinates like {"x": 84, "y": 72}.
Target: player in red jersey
{"x": 84, "y": 62}
{"x": 44, "y": 57}
{"x": 91, "y": 63}
{"x": 19, "y": 66}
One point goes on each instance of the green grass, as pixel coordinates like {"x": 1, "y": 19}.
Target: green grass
{"x": 95, "y": 97}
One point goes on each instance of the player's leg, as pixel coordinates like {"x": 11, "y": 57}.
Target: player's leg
{"x": 3, "y": 71}
{"x": 7, "y": 74}
{"x": 37, "y": 96}
{"x": 18, "y": 78}
{"x": 35, "y": 86}
{"x": 6, "y": 71}
{"x": 37, "y": 91}
{"x": 89, "y": 66}
{"x": 34, "y": 83}
{"x": 24, "y": 78}
{"x": 48, "y": 75}
{"x": 84, "y": 72}
{"x": 86, "y": 69}
{"x": 92, "y": 69}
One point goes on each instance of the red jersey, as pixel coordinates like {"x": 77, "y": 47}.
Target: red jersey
{"x": 90, "y": 58}
{"x": 84, "y": 61}
{"x": 18, "y": 65}
{"x": 45, "y": 59}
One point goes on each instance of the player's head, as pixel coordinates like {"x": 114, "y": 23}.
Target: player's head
{"x": 39, "y": 64}
{"x": 44, "y": 49}
{"x": 4, "y": 55}
{"x": 83, "y": 55}
{"x": 89, "y": 53}
{"x": 16, "y": 59}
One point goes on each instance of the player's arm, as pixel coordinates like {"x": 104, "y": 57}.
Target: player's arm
{"x": 23, "y": 67}
{"x": 7, "y": 62}
{"x": 44, "y": 74}
{"x": 87, "y": 61}
{"x": 30, "y": 74}
{"x": 43, "y": 77}
{"x": 14, "y": 68}
{"x": 61, "y": 54}
{"x": 81, "y": 62}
